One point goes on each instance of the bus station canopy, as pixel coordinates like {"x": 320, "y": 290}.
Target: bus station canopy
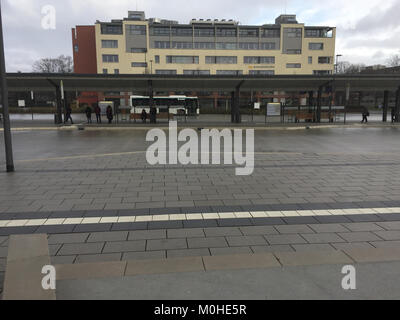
{"x": 127, "y": 83}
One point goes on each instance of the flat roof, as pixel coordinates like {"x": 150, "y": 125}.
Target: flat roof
{"x": 131, "y": 82}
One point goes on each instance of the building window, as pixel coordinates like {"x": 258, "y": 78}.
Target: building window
{"x": 182, "y": 32}
{"x": 309, "y": 60}
{"x": 182, "y": 45}
{"x": 183, "y": 59}
{"x": 229, "y": 72}
{"x": 162, "y": 44}
{"x": 226, "y": 32}
{"x": 226, "y": 45}
{"x": 197, "y": 72}
{"x": 166, "y": 72}
{"x": 262, "y": 72}
{"x": 322, "y": 72}
{"x": 318, "y": 33}
{"x": 138, "y": 50}
{"x": 105, "y": 71}
{"x": 293, "y": 65}
{"x": 157, "y": 59}
{"x": 268, "y": 46}
{"x": 259, "y": 60}
{"x": 293, "y": 51}
{"x": 324, "y": 60}
{"x": 160, "y": 31}
{"x": 293, "y": 32}
{"x": 116, "y": 71}
{"x": 109, "y": 43}
{"x": 204, "y": 45}
{"x": 111, "y": 29}
{"x": 136, "y": 30}
{"x": 316, "y": 46}
{"x": 250, "y": 33}
{"x": 139, "y": 64}
{"x": 271, "y": 33}
{"x": 248, "y": 46}
{"x": 221, "y": 60}
{"x": 204, "y": 32}
{"x": 108, "y": 58}
{"x": 76, "y": 48}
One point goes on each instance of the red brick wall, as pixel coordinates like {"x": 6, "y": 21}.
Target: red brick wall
{"x": 85, "y": 60}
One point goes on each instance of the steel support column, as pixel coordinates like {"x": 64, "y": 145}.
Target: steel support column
{"x": 153, "y": 111}
{"x": 385, "y": 105}
{"x": 319, "y": 105}
{"x": 397, "y": 108}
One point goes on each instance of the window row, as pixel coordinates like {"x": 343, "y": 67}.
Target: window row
{"x": 213, "y": 45}
{"x": 219, "y": 72}
{"x": 212, "y": 32}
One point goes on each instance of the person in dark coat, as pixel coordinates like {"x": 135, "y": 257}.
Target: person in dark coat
{"x": 97, "y": 110}
{"x": 365, "y": 116}
{"x": 68, "y": 112}
{"x": 144, "y": 116}
{"x": 110, "y": 116}
{"x": 393, "y": 115}
{"x": 88, "y": 112}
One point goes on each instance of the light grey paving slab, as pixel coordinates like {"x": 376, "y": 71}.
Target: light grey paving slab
{"x": 285, "y": 239}
{"x": 312, "y": 247}
{"x": 80, "y": 248}
{"x": 390, "y": 225}
{"x": 388, "y": 235}
{"x": 222, "y": 231}
{"x": 108, "y": 236}
{"x": 3, "y": 240}
{"x": 322, "y": 238}
{"x": 363, "y": 226}
{"x": 385, "y": 244}
{"x": 166, "y": 244}
{"x": 239, "y": 241}
{"x": 328, "y": 228}
{"x": 258, "y": 230}
{"x": 124, "y": 246}
{"x": 68, "y": 238}
{"x": 98, "y": 257}
{"x": 304, "y": 258}
{"x": 3, "y": 252}
{"x": 188, "y": 253}
{"x": 147, "y": 234}
{"x": 291, "y": 229}
{"x": 53, "y": 249}
{"x": 185, "y": 233}
{"x": 148, "y": 255}
{"x": 353, "y": 245}
{"x": 2, "y": 264}
{"x": 230, "y": 251}
{"x": 62, "y": 259}
{"x": 273, "y": 248}
{"x": 359, "y": 236}
{"x": 211, "y": 242}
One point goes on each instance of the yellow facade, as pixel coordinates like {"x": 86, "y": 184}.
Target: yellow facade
{"x": 124, "y": 65}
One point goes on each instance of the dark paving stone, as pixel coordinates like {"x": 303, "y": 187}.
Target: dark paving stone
{"x": 133, "y": 212}
{"x": 314, "y": 206}
{"x": 284, "y": 207}
{"x": 67, "y": 214}
{"x": 200, "y": 209}
{"x": 101, "y": 213}
{"x": 346, "y": 205}
{"x": 95, "y": 227}
{"x": 256, "y": 207}
{"x": 300, "y": 220}
{"x": 226, "y": 209}
{"x": 165, "y": 225}
{"x": 17, "y": 230}
{"x": 33, "y": 215}
{"x": 154, "y": 211}
{"x": 364, "y": 218}
{"x": 7, "y": 216}
{"x": 127, "y": 226}
{"x": 55, "y": 229}
{"x": 234, "y": 222}
{"x": 332, "y": 219}
{"x": 268, "y": 221}
{"x": 389, "y": 216}
{"x": 200, "y": 223}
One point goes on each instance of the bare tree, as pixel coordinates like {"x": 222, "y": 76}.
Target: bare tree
{"x": 394, "y": 61}
{"x": 345, "y": 67}
{"x": 61, "y": 64}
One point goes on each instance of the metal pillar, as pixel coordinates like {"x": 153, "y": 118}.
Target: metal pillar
{"x": 153, "y": 111}
{"x": 397, "y": 109}
{"x": 58, "y": 119}
{"x": 385, "y": 105}
{"x": 319, "y": 105}
{"x": 4, "y": 94}
{"x": 233, "y": 106}
{"x": 236, "y": 108}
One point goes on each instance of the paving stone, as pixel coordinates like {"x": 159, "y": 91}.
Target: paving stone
{"x": 328, "y": 228}
{"x": 200, "y": 223}
{"x": 305, "y": 258}
{"x": 374, "y": 255}
{"x": 165, "y": 225}
{"x": 364, "y": 218}
{"x": 285, "y": 239}
{"x": 224, "y": 231}
{"x": 143, "y": 255}
{"x": 108, "y": 236}
{"x": 352, "y": 245}
{"x": 333, "y": 219}
{"x": 124, "y": 246}
{"x": 185, "y": 233}
{"x": 392, "y": 225}
{"x": 3, "y": 264}
{"x": 80, "y": 248}
{"x": 300, "y": 220}
{"x": 68, "y": 238}
{"x": 238, "y": 241}
{"x": 234, "y": 222}
{"x": 388, "y": 235}
{"x": 3, "y": 240}
{"x": 147, "y": 234}
{"x": 312, "y": 247}
{"x": 98, "y": 257}
{"x": 62, "y": 259}
{"x": 274, "y": 248}
{"x": 166, "y": 244}
{"x": 211, "y": 242}
{"x": 322, "y": 238}
{"x": 3, "y": 252}
{"x": 188, "y": 253}
{"x": 268, "y": 221}
{"x": 240, "y": 261}
{"x": 98, "y": 227}
{"x": 258, "y": 230}
{"x": 386, "y": 244}
{"x": 294, "y": 229}
{"x": 90, "y": 270}
{"x": 230, "y": 251}
{"x": 359, "y": 236}
{"x": 362, "y": 226}
{"x": 128, "y": 226}
{"x": 55, "y": 229}
{"x": 53, "y": 249}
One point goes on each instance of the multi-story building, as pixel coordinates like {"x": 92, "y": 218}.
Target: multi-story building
{"x": 136, "y": 45}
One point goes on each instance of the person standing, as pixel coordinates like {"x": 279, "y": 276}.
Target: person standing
{"x": 144, "y": 116}
{"x": 88, "y": 112}
{"x": 97, "y": 110}
{"x": 393, "y": 115}
{"x": 68, "y": 112}
{"x": 365, "y": 116}
{"x": 110, "y": 116}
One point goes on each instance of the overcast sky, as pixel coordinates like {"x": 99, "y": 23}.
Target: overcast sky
{"x": 368, "y": 31}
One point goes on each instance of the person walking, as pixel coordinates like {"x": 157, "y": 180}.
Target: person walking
{"x": 68, "y": 112}
{"x": 97, "y": 110}
{"x": 88, "y": 112}
{"x": 144, "y": 116}
{"x": 393, "y": 115}
{"x": 365, "y": 116}
{"x": 110, "y": 116}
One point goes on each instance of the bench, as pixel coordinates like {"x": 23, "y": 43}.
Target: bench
{"x": 304, "y": 116}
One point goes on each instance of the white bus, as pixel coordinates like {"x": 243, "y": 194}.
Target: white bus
{"x": 173, "y": 105}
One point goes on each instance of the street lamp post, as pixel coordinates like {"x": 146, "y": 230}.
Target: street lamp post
{"x": 337, "y": 62}
{"x": 4, "y": 94}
